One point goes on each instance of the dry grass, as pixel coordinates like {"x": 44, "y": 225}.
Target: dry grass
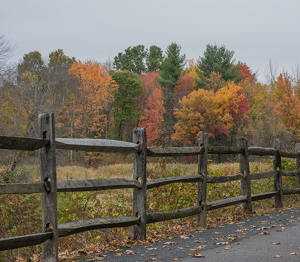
{"x": 126, "y": 170}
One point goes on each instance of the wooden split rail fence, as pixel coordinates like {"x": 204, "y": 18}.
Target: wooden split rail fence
{"x": 49, "y": 186}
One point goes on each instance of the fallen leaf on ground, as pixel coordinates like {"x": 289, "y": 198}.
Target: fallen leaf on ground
{"x": 152, "y": 248}
{"x": 239, "y": 230}
{"x": 170, "y": 243}
{"x": 222, "y": 243}
{"x": 264, "y": 233}
{"x": 196, "y": 255}
{"x": 227, "y": 248}
{"x": 130, "y": 252}
{"x": 201, "y": 247}
{"x": 152, "y": 258}
{"x": 175, "y": 259}
{"x": 184, "y": 237}
{"x": 119, "y": 254}
{"x": 278, "y": 243}
{"x": 294, "y": 253}
{"x": 237, "y": 243}
{"x": 232, "y": 238}
{"x": 277, "y": 256}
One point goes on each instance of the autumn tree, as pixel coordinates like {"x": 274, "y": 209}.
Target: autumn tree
{"x": 286, "y": 103}
{"x": 207, "y": 111}
{"x": 260, "y": 126}
{"x": 33, "y": 89}
{"x": 246, "y": 73}
{"x": 152, "y": 109}
{"x": 185, "y": 85}
{"x": 126, "y": 105}
{"x": 33, "y": 63}
{"x": 220, "y": 60}
{"x": 96, "y": 92}
{"x": 171, "y": 68}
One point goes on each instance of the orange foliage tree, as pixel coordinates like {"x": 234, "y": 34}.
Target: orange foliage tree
{"x": 206, "y": 111}
{"x": 95, "y": 95}
{"x": 152, "y": 109}
{"x": 286, "y": 103}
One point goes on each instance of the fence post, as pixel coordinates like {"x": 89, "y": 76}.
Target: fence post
{"x": 139, "y": 173}
{"x": 277, "y": 177}
{"x": 202, "y": 186}
{"x": 297, "y": 148}
{"x": 48, "y": 174}
{"x": 245, "y": 170}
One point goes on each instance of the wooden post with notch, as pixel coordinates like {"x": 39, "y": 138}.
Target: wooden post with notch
{"x": 202, "y": 186}
{"x": 297, "y": 148}
{"x": 278, "y": 176}
{"x": 139, "y": 173}
{"x": 245, "y": 171}
{"x": 48, "y": 174}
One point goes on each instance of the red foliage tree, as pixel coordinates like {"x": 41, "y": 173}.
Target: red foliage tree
{"x": 152, "y": 109}
{"x": 246, "y": 73}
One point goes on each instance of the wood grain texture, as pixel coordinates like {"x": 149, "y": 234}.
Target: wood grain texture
{"x": 291, "y": 173}
{"x": 278, "y": 176}
{"x": 22, "y": 188}
{"x": 97, "y": 145}
{"x": 24, "y": 241}
{"x": 261, "y": 151}
{"x": 139, "y": 201}
{"x": 262, "y": 196}
{"x": 177, "y": 179}
{"x": 48, "y": 174}
{"x": 223, "y": 179}
{"x": 174, "y": 214}
{"x": 202, "y": 186}
{"x": 289, "y": 154}
{"x": 96, "y": 184}
{"x": 224, "y": 150}
{"x": 254, "y": 176}
{"x": 22, "y": 143}
{"x": 245, "y": 170}
{"x": 174, "y": 151}
{"x": 79, "y": 226}
{"x": 226, "y": 202}
{"x": 290, "y": 191}
{"x": 297, "y": 149}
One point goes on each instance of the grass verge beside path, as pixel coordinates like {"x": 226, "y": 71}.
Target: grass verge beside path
{"x": 81, "y": 205}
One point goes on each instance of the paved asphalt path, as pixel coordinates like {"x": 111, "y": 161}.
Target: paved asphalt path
{"x": 247, "y": 240}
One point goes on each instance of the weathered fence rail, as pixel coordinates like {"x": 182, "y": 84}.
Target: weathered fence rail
{"x": 49, "y": 186}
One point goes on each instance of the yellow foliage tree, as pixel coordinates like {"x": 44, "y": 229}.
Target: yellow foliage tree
{"x": 206, "y": 111}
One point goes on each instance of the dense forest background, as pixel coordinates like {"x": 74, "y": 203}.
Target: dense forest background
{"x": 175, "y": 99}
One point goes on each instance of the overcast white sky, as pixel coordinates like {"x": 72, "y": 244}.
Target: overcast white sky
{"x": 257, "y": 30}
